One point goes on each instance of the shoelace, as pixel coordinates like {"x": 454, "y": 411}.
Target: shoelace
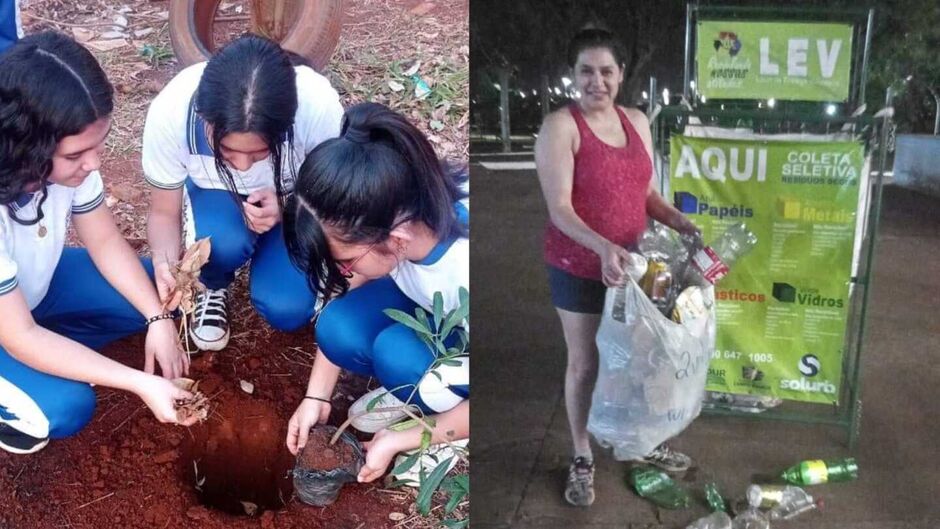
{"x": 582, "y": 472}
{"x": 210, "y": 306}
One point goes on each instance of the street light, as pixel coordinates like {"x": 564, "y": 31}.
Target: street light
{"x": 565, "y": 81}
{"x": 771, "y": 103}
{"x": 665, "y": 96}
{"x": 831, "y": 110}
{"x": 645, "y": 95}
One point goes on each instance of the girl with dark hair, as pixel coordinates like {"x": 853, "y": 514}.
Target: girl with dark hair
{"x": 594, "y": 161}
{"x": 375, "y": 210}
{"x": 58, "y": 304}
{"x": 222, "y": 142}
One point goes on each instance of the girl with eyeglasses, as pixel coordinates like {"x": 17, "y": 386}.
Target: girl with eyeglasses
{"x": 378, "y": 222}
{"x": 222, "y": 143}
{"x": 61, "y": 304}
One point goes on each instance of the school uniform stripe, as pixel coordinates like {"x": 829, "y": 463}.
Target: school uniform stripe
{"x": 161, "y": 185}
{"x": 8, "y": 285}
{"x": 88, "y": 206}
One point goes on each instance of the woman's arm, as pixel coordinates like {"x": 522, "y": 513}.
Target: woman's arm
{"x": 452, "y": 425}
{"x": 656, "y": 206}
{"x": 46, "y": 351}
{"x": 322, "y": 381}
{"x": 164, "y": 237}
{"x": 554, "y": 160}
{"x": 119, "y": 264}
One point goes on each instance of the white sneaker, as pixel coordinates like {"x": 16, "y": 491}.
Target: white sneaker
{"x": 434, "y": 455}
{"x": 374, "y": 421}
{"x": 209, "y": 326}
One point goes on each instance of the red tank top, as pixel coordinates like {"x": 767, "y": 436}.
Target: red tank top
{"x": 608, "y": 193}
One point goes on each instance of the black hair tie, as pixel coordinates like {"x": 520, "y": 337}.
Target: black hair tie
{"x": 357, "y": 135}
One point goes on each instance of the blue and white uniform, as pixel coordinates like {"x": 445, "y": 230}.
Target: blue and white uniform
{"x": 176, "y": 154}
{"x": 355, "y": 334}
{"x": 67, "y": 295}
{"x": 11, "y": 29}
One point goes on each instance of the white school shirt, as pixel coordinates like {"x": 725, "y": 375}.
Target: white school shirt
{"x": 175, "y": 144}
{"x": 446, "y": 269}
{"x": 27, "y": 260}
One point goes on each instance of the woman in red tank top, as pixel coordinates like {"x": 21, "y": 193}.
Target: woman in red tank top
{"x": 594, "y": 164}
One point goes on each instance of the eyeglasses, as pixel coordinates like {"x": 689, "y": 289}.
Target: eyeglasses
{"x": 346, "y": 269}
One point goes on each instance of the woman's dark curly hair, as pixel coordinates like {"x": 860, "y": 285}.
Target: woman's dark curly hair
{"x": 250, "y": 86}
{"x": 50, "y": 87}
{"x": 379, "y": 173}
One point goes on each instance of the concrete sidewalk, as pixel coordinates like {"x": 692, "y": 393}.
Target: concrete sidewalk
{"x": 520, "y": 435}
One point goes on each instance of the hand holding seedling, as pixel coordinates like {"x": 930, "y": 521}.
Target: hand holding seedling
{"x": 309, "y": 413}
{"x": 163, "y": 346}
{"x": 161, "y": 395}
{"x": 262, "y": 210}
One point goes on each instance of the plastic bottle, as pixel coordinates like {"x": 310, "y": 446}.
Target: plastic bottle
{"x": 715, "y": 520}
{"x": 795, "y": 502}
{"x": 714, "y": 261}
{"x": 750, "y": 519}
{"x": 659, "y": 488}
{"x": 817, "y": 471}
{"x": 715, "y": 501}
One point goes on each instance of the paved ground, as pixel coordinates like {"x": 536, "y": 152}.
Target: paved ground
{"x": 519, "y": 426}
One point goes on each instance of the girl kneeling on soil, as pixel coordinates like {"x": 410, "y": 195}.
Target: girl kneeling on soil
{"x": 60, "y": 303}
{"x": 225, "y": 138}
{"x": 377, "y": 202}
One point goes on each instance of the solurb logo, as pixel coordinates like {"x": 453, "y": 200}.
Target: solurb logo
{"x": 688, "y": 203}
{"x": 809, "y": 365}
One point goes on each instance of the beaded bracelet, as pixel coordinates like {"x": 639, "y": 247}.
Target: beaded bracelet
{"x": 158, "y": 317}
{"x": 318, "y": 398}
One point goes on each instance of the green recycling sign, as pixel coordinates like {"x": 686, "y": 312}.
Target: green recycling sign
{"x": 764, "y": 60}
{"x": 782, "y": 310}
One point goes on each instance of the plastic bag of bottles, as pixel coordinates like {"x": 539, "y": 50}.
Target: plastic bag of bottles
{"x": 651, "y": 376}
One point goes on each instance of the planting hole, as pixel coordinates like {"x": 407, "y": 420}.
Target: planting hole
{"x": 236, "y": 460}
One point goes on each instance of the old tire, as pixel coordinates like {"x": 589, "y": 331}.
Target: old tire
{"x": 314, "y": 35}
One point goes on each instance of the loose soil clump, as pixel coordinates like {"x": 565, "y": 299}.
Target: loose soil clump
{"x": 319, "y": 454}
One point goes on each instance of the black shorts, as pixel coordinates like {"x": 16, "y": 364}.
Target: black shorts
{"x": 576, "y": 294}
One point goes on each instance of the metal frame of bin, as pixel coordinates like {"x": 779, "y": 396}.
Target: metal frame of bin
{"x": 797, "y": 117}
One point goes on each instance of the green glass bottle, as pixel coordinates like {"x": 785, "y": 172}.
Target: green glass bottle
{"x": 715, "y": 501}
{"x": 817, "y": 471}
{"x": 659, "y": 488}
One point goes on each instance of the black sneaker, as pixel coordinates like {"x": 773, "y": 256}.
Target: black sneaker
{"x": 17, "y": 442}
{"x": 209, "y": 327}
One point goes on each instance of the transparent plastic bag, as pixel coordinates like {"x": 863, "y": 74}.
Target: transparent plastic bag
{"x": 652, "y": 371}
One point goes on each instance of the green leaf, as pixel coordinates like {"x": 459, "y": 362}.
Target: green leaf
{"x": 438, "y": 309}
{"x": 375, "y": 401}
{"x": 406, "y": 465}
{"x": 408, "y": 321}
{"x": 422, "y": 317}
{"x": 450, "y": 362}
{"x": 455, "y": 497}
{"x": 425, "y": 440}
{"x": 404, "y": 425}
{"x": 429, "y": 485}
{"x": 455, "y": 524}
{"x": 401, "y": 483}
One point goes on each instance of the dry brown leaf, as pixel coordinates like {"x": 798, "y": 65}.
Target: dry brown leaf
{"x": 250, "y": 508}
{"x": 196, "y": 256}
{"x": 196, "y": 406}
{"x": 246, "y": 386}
